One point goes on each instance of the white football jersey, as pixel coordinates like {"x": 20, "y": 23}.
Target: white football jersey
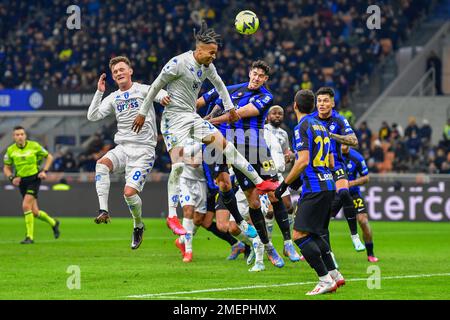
{"x": 281, "y": 135}
{"x": 183, "y": 78}
{"x": 125, "y": 105}
{"x": 275, "y": 149}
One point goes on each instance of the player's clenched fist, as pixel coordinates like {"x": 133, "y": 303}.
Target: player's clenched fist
{"x": 101, "y": 85}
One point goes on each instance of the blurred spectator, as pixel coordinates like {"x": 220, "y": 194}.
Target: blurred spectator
{"x": 425, "y": 132}
{"x": 412, "y": 127}
{"x": 377, "y": 152}
{"x": 347, "y": 114}
{"x": 306, "y": 82}
{"x": 434, "y": 61}
{"x": 440, "y": 158}
{"x": 364, "y": 135}
{"x": 413, "y": 143}
{"x": 385, "y": 132}
{"x": 398, "y": 128}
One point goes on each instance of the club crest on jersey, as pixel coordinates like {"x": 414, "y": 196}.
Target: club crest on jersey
{"x": 126, "y": 95}
{"x": 199, "y": 73}
{"x": 332, "y": 127}
{"x": 349, "y": 165}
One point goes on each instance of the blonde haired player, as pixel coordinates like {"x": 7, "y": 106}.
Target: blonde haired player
{"x": 134, "y": 153}
{"x": 183, "y": 75}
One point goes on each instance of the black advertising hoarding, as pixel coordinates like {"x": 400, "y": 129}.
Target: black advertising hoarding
{"x": 66, "y": 101}
{"x": 43, "y": 100}
{"x": 406, "y": 202}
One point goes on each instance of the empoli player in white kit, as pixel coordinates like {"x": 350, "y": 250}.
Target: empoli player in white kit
{"x": 134, "y": 153}
{"x": 183, "y": 75}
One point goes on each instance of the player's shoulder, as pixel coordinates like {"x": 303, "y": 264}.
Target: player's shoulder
{"x": 141, "y": 87}
{"x": 31, "y": 144}
{"x": 11, "y": 147}
{"x": 355, "y": 155}
{"x": 266, "y": 91}
{"x": 337, "y": 116}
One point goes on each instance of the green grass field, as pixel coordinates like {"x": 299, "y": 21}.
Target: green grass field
{"x": 414, "y": 264}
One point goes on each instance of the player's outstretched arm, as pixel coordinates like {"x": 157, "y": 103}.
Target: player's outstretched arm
{"x": 99, "y": 109}
{"x": 349, "y": 139}
{"x": 300, "y": 164}
{"x": 169, "y": 72}
{"x": 359, "y": 181}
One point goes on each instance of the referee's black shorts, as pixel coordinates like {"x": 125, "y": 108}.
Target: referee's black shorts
{"x": 313, "y": 212}
{"x": 30, "y": 185}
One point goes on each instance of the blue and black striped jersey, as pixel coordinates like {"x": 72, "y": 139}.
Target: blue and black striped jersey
{"x": 356, "y": 166}
{"x": 337, "y": 124}
{"x": 246, "y": 131}
{"x": 311, "y": 135}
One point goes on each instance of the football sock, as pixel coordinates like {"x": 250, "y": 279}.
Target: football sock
{"x": 325, "y": 252}
{"x": 29, "y": 223}
{"x": 43, "y": 216}
{"x": 369, "y": 248}
{"x": 311, "y": 252}
{"x": 260, "y": 225}
{"x": 269, "y": 226}
{"x": 188, "y": 225}
{"x": 282, "y": 218}
{"x": 259, "y": 249}
{"x": 240, "y": 163}
{"x": 222, "y": 235}
{"x": 326, "y": 237}
{"x": 243, "y": 238}
{"x": 135, "y": 206}
{"x": 102, "y": 184}
{"x": 349, "y": 210}
{"x": 229, "y": 200}
{"x": 173, "y": 189}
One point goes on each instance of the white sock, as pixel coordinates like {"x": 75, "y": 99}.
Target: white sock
{"x": 326, "y": 278}
{"x": 259, "y": 250}
{"x": 135, "y": 206}
{"x": 287, "y": 241}
{"x": 333, "y": 273}
{"x": 234, "y": 157}
{"x": 102, "y": 184}
{"x": 291, "y": 220}
{"x": 243, "y": 238}
{"x": 188, "y": 225}
{"x": 173, "y": 188}
{"x": 182, "y": 239}
{"x": 269, "y": 226}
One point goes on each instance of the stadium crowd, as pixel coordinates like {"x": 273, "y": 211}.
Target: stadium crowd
{"x": 308, "y": 44}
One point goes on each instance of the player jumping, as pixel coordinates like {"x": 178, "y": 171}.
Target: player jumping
{"x": 134, "y": 153}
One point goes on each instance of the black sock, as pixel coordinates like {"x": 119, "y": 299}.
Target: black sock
{"x": 220, "y": 234}
{"x": 325, "y": 252}
{"x": 326, "y": 237}
{"x": 311, "y": 252}
{"x": 369, "y": 248}
{"x": 259, "y": 223}
{"x": 336, "y": 205}
{"x": 229, "y": 200}
{"x": 349, "y": 210}
{"x": 281, "y": 215}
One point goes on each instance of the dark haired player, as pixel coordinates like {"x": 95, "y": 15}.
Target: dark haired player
{"x": 253, "y": 100}
{"x": 314, "y": 159}
{"x": 341, "y": 133}
{"x": 183, "y": 76}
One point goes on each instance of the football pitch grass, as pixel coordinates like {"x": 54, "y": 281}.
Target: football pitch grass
{"x": 414, "y": 264}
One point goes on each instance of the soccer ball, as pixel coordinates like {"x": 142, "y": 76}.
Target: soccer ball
{"x": 246, "y": 22}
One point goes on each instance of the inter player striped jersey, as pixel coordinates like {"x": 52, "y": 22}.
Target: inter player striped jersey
{"x": 339, "y": 125}
{"x": 356, "y": 166}
{"x": 125, "y": 105}
{"x": 241, "y": 95}
{"x": 311, "y": 135}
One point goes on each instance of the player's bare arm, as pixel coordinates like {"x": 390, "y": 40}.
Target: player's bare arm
{"x": 349, "y": 139}
{"x": 246, "y": 111}
{"x": 359, "y": 181}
